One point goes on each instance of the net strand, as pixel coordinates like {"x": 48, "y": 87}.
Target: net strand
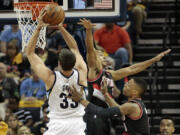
{"x": 28, "y": 24}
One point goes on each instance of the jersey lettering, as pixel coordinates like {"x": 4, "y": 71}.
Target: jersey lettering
{"x": 65, "y": 103}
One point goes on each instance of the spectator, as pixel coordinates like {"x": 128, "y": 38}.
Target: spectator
{"x": 9, "y": 34}
{"x": 23, "y": 115}
{"x": 17, "y": 64}
{"x": 8, "y": 86}
{"x": 33, "y": 88}
{"x": 33, "y": 95}
{"x": 137, "y": 13}
{"x": 167, "y": 126}
{"x": 13, "y": 124}
{"x": 116, "y": 42}
{"x": 24, "y": 131}
{"x": 40, "y": 127}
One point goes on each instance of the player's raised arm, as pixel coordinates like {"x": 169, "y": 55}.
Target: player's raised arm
{"x": 37, "y": 64}
{"x": 136, "y": 68}
{"x": 92, "y": 57}
{"x": 70, "y": 41}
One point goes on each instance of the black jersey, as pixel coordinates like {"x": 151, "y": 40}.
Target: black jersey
{"x": 139, "y": 125}
{"x": 94, "y": 87}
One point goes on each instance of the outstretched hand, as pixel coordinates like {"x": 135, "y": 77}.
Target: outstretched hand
{"x": 75, "y": 95}
{"x": 162, "y": 54}
{"x": 86, "y": 23}
{"x": 41, "y": 23}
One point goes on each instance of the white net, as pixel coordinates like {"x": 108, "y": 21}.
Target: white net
{"x": 26, "y": 16}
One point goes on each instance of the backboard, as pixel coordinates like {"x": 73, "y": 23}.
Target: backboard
{"x": 95, "y": 10}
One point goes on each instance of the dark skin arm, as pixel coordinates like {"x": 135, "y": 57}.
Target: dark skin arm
{"x": 93, "y": 60}
{"x": 130, "y": 109}
{"x": 136, "y": 68}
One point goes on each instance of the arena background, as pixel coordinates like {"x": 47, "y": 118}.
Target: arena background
{"x": 161, "y": 30}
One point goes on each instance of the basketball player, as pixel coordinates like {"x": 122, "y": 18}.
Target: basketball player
{"x": 96, "y": 72}
{"x": 133, "y": 112}
{"x": 96, "y": 61}
{"x": 66, "y": 116}
{"x": 167, "y": 126}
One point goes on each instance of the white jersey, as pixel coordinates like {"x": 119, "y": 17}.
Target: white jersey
{"x": 59, "y": 105}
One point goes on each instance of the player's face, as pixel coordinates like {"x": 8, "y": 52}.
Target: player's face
{"x": 129, "y": 88}
{"x": 166, "y": 127}
{"x": 101, "y": 57}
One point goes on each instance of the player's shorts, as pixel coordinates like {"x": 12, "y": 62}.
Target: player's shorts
{"x": 68, "y": 126}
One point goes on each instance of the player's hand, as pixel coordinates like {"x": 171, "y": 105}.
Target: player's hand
{"x": 42, "y": 130}
{"x": 116, "y": 92}
{"x": 86, "y": 23}
{"x": 41, "y": 23}
{"x": 104, "y": 85}
{"x": 159, "y": 56}
{"x": 75, "y": 95}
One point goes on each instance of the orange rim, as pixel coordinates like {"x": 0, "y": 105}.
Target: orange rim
{"x": 33, "y": 7}
{"x": 19, "y": 5}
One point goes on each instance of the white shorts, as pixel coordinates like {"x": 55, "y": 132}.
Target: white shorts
{"x": 69, "y": 126}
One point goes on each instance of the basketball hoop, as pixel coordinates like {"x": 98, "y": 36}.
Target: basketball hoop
{"x": 27, "y": 13}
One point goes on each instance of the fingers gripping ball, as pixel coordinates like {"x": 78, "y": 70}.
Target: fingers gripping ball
{"x": 55, "y": 14}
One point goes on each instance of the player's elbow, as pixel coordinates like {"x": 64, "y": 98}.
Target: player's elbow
{"x": 124, "y": 73}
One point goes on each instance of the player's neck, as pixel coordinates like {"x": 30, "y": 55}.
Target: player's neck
{"x": 67, "y": 73}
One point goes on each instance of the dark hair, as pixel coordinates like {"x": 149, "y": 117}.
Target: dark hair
{"x": 67, "y": 59}
{"x": 167, "y": 117}
{"x": 17, "y": 99}
{"x": 142, "y": 84}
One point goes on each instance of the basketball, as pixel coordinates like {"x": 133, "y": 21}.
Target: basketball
{"x": 55, "y": 14}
